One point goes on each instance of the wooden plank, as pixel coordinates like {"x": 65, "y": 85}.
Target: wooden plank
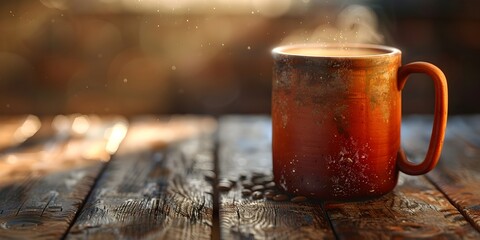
{"x": 43, "y": 186}
{"x": 415, "y": 209}
{"x": 154, "y": 187}
{"x": 458, "y": 171}
{"x": 245, "y": 149}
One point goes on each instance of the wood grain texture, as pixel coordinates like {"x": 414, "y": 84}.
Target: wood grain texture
{"x": 155, "y": 185}
{"x": 458, "y": 171}
{"x": 43, "y": 186}
{"x": 151, "y": 191}
{"x": 245, "y": 148}
{"x": 414, "y": 210}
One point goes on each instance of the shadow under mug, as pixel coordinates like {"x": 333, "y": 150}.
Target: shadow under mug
{"x": 336, "y": 118}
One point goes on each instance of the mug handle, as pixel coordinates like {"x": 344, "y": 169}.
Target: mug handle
{"x": 439, "y": 119}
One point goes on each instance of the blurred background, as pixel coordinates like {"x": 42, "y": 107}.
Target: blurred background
{"x": 213, "y": 56}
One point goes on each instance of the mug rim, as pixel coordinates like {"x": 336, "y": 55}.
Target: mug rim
{"x": 386, "y": 50}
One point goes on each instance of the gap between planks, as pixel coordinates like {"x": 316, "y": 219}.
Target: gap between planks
{"x": 216, "y": 194}
{"x": 81, "y": 206}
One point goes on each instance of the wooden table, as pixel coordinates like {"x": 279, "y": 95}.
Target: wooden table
{"x": 149, "y": 177}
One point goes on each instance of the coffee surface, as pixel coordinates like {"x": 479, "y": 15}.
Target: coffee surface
{"x": 333, "y": 51}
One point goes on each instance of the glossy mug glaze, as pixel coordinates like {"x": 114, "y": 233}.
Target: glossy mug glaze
{"x": 336, "y": 117}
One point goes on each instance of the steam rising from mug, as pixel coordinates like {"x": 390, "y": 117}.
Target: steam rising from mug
{"x": 354, "y": 24}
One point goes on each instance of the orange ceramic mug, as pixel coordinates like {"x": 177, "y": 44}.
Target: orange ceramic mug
{"x": 336, "y": 116}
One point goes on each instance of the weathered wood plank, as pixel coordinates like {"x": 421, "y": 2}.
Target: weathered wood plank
{"x": 458, "y": 171}
{"x": 415, "y": 209}
{"x": 43, "y": 186}
{"x": 245, "y": 148}
{"x": 154, "y": 188}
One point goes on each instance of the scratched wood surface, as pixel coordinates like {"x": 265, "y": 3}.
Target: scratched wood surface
{"x": 57, "y": 180}
{"x": 154, "y": 187}
{"x": 245, "y": 144}
{"x": 42, "y": 186}
{"x": 458, "y": 171}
